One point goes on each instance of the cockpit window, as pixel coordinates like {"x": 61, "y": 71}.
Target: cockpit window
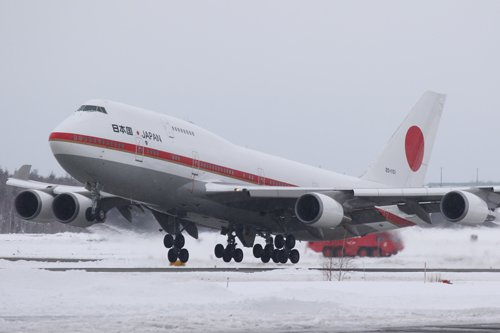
{"x": 92, "y": 108}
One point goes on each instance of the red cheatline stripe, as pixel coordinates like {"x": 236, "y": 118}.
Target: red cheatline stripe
{"x": 165, "y": 156}
{"x": 189, "y": 162}
{"x": 394, "y": 219}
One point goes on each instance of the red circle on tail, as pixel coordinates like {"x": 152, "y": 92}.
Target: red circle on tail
{"x": 414, "y": 147}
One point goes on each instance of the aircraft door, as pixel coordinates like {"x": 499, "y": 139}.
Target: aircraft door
{"x": 196, "y": 165}
{"x": 169, "y": 130}
{"x": 195, "y": 170}
{"x": 262, "y": 178}
{"x": 139, "y": 150}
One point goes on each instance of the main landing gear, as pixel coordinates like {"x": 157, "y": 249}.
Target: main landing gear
{"x": 176, "y": 246}
{"x": 230, "y": 251}
{"x": 280, "y": 252}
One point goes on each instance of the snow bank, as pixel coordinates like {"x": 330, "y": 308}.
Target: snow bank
{"x": 34, "y": 300}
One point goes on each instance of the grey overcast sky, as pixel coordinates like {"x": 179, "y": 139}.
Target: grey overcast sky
{"x": 322, "y": 82}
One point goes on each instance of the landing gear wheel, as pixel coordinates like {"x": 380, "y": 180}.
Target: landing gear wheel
{"x": 183, "y": 255}
{"x": 265, "y": 258}
{"x": 230, "y": 250}
{"x": 279, "y": 241}
{"x": 276, "y": 256}
{"x": 168, "y": 241}
{"x": 227, "y": 256}
{"x": 100, "y": 215}
{"x": 172, "y": 255}
{"x": 219, "y": 250}
{"x": 179, "y": 241}
{"x": 257, "y": 250}
{"x": 89, "y": 216}
{"x": 290, "y": 242}
{"x": 268, "y": 250}
{"x": 294, "y": 256}
{"x": 238, "y": 255}
{"x": 282, "y": 256}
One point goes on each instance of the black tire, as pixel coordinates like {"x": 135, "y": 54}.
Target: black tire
{"x": 268, "y": 250}
{"x": 279, "y": 241}
{"x": 227, "y": 256}
{"x": 238, "y": 255}
{"x": 172, "y": 255}
{"x": 294, "y": 256}
{"x": 88, "y": 215}
{"x": 265, "y": 258}
{"x": 179, "y": 241}
{"x": 290, "y": 242}
{"x": 219, "y": 250}
{"x": 283, "y": 256}
{"x": 183, "y": 255}
{"x": 100, "y": 215}
{"x": 257, "y": 250}
{"x": 168, "y": 241}
{"x": 230, "y": 249}
{"x": 276, "y": 256}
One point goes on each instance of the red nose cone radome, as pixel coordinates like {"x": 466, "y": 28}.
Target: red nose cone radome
{"x": 414, "y": 148}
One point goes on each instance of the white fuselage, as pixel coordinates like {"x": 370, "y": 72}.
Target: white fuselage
{"x": 149, "y": 140}
{"x": 164, "y": 163}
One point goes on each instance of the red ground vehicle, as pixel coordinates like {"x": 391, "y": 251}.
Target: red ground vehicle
{"x": 383, "y": 244}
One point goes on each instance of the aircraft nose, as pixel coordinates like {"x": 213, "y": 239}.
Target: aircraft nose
{"x": 66, "y": 131}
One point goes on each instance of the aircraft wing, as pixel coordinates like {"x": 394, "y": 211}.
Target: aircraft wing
{"x": 53, "y": 189}
{"x": 367, "y": 210}
{"x": 107, "y": 200}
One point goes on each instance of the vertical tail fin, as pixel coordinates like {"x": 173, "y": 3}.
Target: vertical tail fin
{"x": 404, "y": 161}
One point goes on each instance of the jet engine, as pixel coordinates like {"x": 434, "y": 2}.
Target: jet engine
{"x": 34, "y": 205}
{"x": 71, "y": 209}
{"x": 465, "y": 208}
{"x": 319, "y": 210}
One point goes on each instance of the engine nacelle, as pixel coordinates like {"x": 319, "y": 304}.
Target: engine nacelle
{"x": 34, "y": 205}
{"x": 71, "y": 208}
{"x": 319, "y": 210}
{"x": 465, "y": 208}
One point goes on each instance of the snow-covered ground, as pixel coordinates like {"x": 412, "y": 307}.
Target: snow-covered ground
{"x": 36, "y": 300}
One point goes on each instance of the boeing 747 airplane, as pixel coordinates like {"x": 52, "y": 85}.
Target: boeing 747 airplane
{"x": 188, "y": 177}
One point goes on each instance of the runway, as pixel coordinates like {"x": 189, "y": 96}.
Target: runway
{"x": 181, "y": 269}
{"x": 49, "y": 259}
{"x": 261, "y": 269}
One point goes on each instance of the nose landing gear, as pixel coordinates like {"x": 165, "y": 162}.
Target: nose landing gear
{"x": 95, "y": 212}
